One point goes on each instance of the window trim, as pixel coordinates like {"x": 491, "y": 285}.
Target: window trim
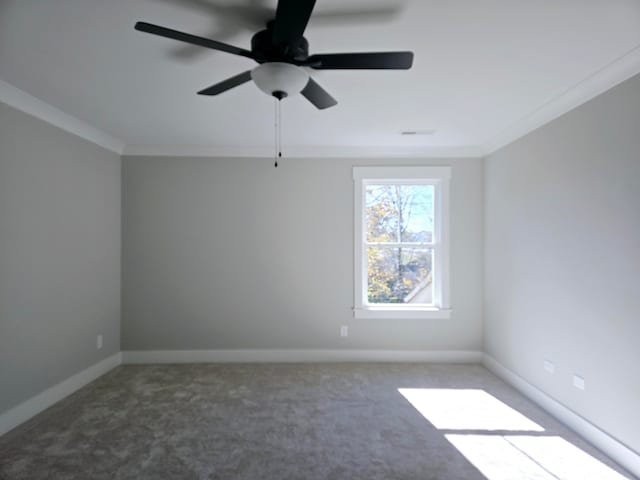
{"x": 439, "y": 176}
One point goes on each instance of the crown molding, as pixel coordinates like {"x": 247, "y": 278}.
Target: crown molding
{"x": 304, "y": 151}
{"x": 622, "y": 68}
{"x": 612, "y": 74}
{"x": 21, "y": 100}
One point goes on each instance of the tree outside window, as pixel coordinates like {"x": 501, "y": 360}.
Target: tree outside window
{"x": 399, "y": 237}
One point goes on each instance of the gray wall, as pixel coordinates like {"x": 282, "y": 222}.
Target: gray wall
{"x": 59, "y": 255}
{"x": 233, "y": 253}
{"x": 562, "y": 259}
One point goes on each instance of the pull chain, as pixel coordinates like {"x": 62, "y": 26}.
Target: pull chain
{"x": 278, "y": 132}
{"x": 280, "y": 128}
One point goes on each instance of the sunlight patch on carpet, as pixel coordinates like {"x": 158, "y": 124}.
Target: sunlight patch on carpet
{"x": 452, "y": 409}
{"x": 499, "y": 441}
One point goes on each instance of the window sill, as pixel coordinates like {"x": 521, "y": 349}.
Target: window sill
{"x": 425, "y": 313}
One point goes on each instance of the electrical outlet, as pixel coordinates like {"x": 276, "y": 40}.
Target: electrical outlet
{"x": 578, "y": 382}
{"x": 344, "y": 331}
{"x": 99, "y": 342}
{"x": 549, "y": 366}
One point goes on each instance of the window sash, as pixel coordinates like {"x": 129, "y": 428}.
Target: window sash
{"x": 401, "y": 306}
{"x": 436, "y": 270}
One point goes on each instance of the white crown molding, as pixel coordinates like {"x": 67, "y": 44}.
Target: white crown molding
{"x": 244, "y": 356}
{"x": 619, "y": 452}
{"x": 26, "y": 103}
{"x": 31, "y": 407}
{"x": 304, "y": 152}
{"x": 612, "y": 74}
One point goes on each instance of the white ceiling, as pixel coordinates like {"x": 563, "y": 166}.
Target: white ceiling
{"x": 485, "y": 71}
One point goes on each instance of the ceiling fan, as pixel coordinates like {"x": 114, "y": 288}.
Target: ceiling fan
{"x": 282, "y": 51}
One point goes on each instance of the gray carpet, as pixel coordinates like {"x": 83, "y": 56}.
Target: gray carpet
{"x": 267, "y": 421}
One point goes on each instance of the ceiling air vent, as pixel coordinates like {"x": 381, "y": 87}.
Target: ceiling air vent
{"x": 417, "y": 132}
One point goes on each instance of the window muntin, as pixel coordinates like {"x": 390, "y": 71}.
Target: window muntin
{"x": 401, "y": 241}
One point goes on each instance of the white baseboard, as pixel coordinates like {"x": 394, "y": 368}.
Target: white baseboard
{"x": 239, "y": 356}
{"x": 31, "y": 407}
{"x": 619, "y": 452}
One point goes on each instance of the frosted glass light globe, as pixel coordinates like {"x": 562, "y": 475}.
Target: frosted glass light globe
{"x": 275, "y": 77}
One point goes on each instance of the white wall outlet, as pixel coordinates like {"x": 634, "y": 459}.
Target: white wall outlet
{"x": 99, "y": 342}
{"x": 578, "y": 382}
{"x": 344, "y": 331}
{"x": 549, "y": 366}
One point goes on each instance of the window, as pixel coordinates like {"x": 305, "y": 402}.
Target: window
{"x": 401, "y": 242}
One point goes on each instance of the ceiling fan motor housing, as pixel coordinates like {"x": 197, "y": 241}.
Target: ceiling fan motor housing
{"x": 265, "y": 51}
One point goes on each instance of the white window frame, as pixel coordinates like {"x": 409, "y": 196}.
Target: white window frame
{"x": 439, "y": 177}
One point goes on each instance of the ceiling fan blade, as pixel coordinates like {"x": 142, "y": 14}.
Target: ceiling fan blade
{"x": 192, "y": 39}
{"x": 367, "y": 61}
{"x": 291, "y": 20}
{"x": 318, "y": 95}
{"x": 227, "y": 84}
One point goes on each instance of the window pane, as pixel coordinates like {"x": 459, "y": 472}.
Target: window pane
{"x": 399, "y": 275}
{"x": 399, "y": 213}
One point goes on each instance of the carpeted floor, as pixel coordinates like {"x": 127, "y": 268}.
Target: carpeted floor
{"x": 297, "y": 421}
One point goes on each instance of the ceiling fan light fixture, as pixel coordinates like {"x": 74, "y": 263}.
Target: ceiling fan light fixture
{"x": 284, "y": 45}
{"x": 279, "y": 79}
